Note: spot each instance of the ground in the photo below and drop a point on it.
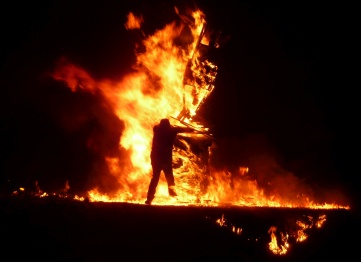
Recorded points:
(67, 230)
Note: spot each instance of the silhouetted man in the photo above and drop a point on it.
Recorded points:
(161, 156)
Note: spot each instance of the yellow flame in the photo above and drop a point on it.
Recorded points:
(320, 221)
(273, 245)
(44, 194)
(221, 221)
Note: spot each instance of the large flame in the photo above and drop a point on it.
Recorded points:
(171, 78)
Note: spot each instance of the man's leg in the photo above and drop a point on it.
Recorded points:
(168, 172)
(153, 183)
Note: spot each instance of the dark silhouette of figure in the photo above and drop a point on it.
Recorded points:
(164, 135)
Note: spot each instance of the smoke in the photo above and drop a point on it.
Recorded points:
(57, 136)
(269, 169)
(92, 131)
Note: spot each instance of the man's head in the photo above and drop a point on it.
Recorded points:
(164, 123)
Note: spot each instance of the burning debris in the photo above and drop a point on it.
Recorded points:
(37, 192)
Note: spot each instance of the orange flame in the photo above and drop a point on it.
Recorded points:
(169, 81)
(133, 22)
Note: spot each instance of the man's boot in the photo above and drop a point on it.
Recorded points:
(172, 192)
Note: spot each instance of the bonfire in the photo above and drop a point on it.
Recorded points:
(173, 77)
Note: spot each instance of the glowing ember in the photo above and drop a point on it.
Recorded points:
(44, 194)
(171, 80)
(236, 230)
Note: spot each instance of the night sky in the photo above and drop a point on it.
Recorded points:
(283, 88)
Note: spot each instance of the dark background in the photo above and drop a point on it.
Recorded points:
(284, 87)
